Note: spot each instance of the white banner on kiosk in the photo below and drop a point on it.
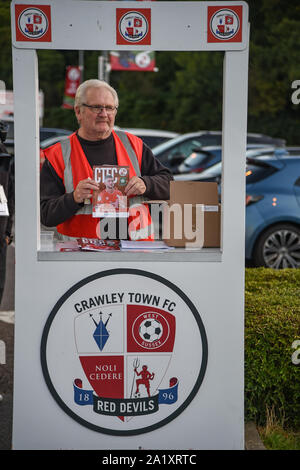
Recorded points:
(128, 350)
(112, 25)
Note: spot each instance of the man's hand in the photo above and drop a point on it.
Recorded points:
(8, 239)
(83, 190)
(135, 187)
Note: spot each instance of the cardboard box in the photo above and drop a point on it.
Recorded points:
(191, 218)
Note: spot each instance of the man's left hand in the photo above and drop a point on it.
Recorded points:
(8, 239)
(135, 187)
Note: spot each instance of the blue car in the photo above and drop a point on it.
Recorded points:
(272, 209)
(273, 212)
(173, 152)
(199, 160)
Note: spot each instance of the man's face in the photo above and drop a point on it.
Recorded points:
(95, 126)
(109, 183)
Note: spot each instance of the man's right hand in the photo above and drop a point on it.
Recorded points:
(83, 190)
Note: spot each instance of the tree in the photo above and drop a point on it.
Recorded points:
(186, 94)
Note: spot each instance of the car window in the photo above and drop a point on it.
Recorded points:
(10, 130)
(256, 173)
(213, 171)
(45, 135)
(210, 139)
(254, 140)
(184, 148)
(197, 159)
(159, 149)
(265, 140)
(152, 141)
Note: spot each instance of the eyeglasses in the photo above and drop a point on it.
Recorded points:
(98, 109)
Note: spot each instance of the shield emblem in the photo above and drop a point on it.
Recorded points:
(125, 351)
(114, 352)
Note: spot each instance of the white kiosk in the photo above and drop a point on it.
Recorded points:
(129, 350)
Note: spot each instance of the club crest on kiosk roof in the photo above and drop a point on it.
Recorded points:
(224, 24)
(133, 26)
(114, 352)
(33, 23)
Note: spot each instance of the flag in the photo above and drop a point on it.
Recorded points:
(140, 61)
(72, 81)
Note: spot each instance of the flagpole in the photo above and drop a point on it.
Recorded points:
(104, 67)
(81, 64)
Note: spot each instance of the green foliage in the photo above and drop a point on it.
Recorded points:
(197, 90)
(276, 436)
(149, 109)
(5, 45)
(279, 439)
(272, 324)
(186, 93)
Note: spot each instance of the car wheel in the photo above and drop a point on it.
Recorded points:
(278, 247)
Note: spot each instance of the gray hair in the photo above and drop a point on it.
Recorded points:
(94, 83)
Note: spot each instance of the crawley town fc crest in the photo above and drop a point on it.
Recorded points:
(124, 352)
(33, 22)
(133, 26)
(224, 24)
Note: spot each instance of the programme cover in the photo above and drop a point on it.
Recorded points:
(95, 244)
(109, 200)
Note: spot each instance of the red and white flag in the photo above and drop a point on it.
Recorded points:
(72, 82)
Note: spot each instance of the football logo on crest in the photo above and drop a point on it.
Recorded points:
(121, 370)
(150, 330)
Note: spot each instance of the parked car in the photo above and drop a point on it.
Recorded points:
(198, 160)
(45, 133)
(293, 150)
(213, 169)
(174, 151)
(272, 209)
(273, 212)
(208, 156)
(52, 140)
(151, 137)
(47, 143)
(9, 142)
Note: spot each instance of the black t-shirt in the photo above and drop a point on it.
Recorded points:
(58, 206)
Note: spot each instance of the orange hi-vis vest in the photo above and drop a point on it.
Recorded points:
(71, 165)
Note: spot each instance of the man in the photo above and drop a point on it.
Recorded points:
(110, 195)
(6, 222)
(67, 177)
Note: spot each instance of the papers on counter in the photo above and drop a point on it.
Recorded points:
(85, 244)
(3, 202)
(140, 245)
